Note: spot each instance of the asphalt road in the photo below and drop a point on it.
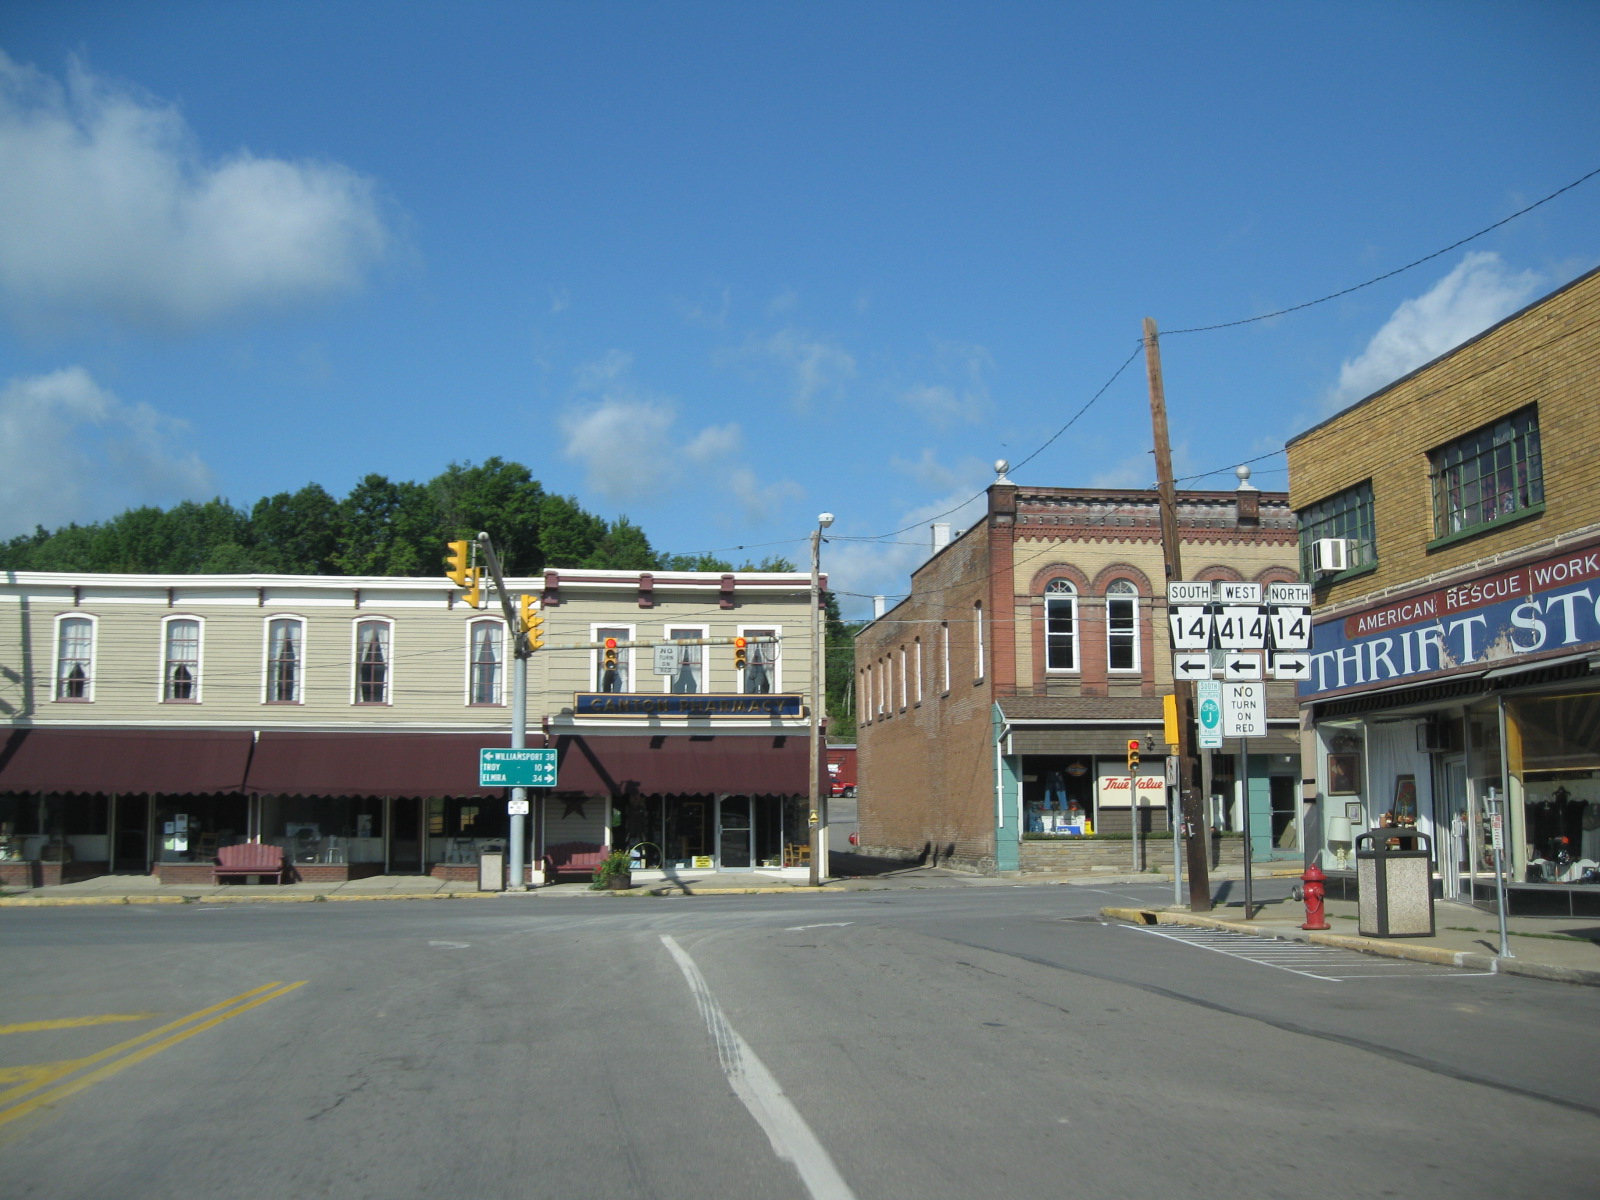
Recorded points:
(930, 1043)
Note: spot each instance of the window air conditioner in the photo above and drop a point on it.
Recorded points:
(1329, 555)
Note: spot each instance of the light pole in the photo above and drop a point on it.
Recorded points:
(819, 802)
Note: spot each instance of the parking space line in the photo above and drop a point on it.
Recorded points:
(1299, 958)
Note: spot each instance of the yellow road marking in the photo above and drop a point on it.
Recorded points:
(174, 1032)
(75, 1022)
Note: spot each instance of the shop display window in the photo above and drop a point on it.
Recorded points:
(1559, 768)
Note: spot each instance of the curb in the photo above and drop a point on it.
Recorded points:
(1465, 959)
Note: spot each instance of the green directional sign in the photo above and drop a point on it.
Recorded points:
(1208, 707)
(516, 768)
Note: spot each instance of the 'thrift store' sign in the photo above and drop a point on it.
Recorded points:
(1538, 608)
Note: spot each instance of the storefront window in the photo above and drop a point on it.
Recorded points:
(1557, 761)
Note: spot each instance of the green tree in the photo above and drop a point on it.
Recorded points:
(388, 528)
(623, 548)
(296, 533)
(839, 645)
(568, 536)
(498, 496)
(692, 562)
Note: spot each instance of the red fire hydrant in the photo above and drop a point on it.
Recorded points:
(1313, 887)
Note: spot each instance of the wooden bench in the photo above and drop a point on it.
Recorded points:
(572, 858)
(249, 858)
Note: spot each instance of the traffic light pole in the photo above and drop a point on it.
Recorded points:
(1196, 837)
(519, 718)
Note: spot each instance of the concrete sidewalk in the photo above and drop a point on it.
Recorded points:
(1554, 948)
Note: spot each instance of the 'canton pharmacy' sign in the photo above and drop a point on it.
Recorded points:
(1543, 607)
(687, 704)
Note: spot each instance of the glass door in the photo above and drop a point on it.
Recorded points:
(733, 830)
(1453, 827)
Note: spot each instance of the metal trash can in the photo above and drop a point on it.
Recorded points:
(492, 871)
(1394, 885)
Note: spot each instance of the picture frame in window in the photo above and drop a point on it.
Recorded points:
(1344, 774)
(1352, 811)
(1404, 810)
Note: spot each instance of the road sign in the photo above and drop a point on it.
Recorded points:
(1231, 592)
(666, 659)
(1208, 707)
(1241, 665)
(517, 808)
(1189, 591)
(516, 768)
(1244, 710)
(1241, 628)
(1289, 593)
(1289, 665)
(1193, 665)
(1191, 627)
(1291, 628)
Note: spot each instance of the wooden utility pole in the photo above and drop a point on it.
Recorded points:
(1195, 834)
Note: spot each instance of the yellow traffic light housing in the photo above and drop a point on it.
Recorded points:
(1133, 754)
(458, 562)
(741, 656)
(473, 584)
(610, 656)
(532, 620)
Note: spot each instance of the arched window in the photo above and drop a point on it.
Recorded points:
(75, 659)
(285, 660)
(486, 649)
(180, 665)
(1060, 626)
(372, 662)
(1122, 626)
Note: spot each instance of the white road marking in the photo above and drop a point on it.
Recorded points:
(823, 925)
(450, 945)
(1295, 957)
(791, 1138)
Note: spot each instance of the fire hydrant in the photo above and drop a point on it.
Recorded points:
(1313, 889)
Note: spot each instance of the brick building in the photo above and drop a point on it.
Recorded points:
(1452, 524)
(146, 720)
(997, 698)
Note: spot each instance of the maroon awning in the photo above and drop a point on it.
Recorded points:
(124, 761)
(371, 764)
(682, 763)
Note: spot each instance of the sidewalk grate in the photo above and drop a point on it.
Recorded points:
(1332, 963)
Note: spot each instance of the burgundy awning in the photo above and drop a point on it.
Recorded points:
(124, 761)
(371, 764)
(682, 763)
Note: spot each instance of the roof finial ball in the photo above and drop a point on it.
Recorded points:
(1243, 472)
(1001, 466)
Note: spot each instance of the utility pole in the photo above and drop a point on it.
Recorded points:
(519, 715)
(1196, 836)
(819, 802)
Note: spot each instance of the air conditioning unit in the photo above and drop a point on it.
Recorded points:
(1330, 555)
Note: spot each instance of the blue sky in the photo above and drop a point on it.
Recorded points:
(721, 267)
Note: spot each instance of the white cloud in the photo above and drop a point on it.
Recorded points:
(1479, 292)
(962, 394)
(108, 209)
(715, 443)
(71, 451)
(811, 366)
(622, 444)
(761, 499)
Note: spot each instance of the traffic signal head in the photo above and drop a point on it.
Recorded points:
(456, 562)
(472, 583)
(1133, 754)
(740, 654)
(532, 620)
(611, 654)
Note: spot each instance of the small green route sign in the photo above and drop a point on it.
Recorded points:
(1208, 705)
(516, 768)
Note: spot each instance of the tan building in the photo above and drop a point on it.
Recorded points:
(995, 702)
(1452, 524)
(148, 720)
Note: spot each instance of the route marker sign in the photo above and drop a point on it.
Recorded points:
(1242, 665)
(1208, 707)
(516, 768)
(1290, 665)
(1191, 627)
(1233, 592)
(1189, 591)
(1192, 665)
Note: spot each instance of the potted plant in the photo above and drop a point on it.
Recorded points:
(615, 872)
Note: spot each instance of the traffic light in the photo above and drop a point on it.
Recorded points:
(473, 585)
(460, 556)
(741, 658)
(1133, 754)
(610, 658)
(532, 620)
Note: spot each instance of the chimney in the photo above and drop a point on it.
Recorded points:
(877, 607)
(941, 535)
(1247, 498)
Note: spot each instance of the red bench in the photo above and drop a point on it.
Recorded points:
(249, 858)
(572, 858)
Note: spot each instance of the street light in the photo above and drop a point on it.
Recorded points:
(819, 803)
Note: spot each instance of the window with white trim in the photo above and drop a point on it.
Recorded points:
(944, 656)
(285, 660)
(1060, 626)
(1122, 626)
(760, 676)
(75, 658)
(918, 664)
(977, 635)
(486, 641)
(620, 677)
(180, 660)
(903, 684)
(373, 661)
(690, 676)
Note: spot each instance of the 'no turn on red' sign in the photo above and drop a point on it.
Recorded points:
(1244, 710)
